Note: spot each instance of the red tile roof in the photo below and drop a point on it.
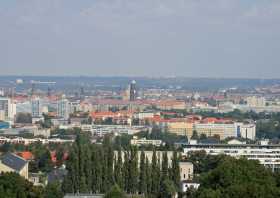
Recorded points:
(26, 155)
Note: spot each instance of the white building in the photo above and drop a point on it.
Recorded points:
(144, 141)
(101, 130)
(63, 108)
(247, 131)
(186, 185)
(226, 130)
(267, 155)
(7, 109)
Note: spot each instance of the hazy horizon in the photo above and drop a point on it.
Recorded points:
(149, 38)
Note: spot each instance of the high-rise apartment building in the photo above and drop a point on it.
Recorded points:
(63, 108)
(7, 108)
(36, 107)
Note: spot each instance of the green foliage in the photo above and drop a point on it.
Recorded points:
(175, 171)
(47, 123)
(53, 190)
(195, 135)
(143, 174)
(14, 186)
(155, 174)
(122, 141)
(203, 162)
(234, 178)
(115, 192)
(118, 171)
(168, 189)
(164, 167)
(269, 128)
(45, 163)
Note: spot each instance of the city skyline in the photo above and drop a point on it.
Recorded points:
(148, 38)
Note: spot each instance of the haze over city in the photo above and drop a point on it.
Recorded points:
(217, 38)
(139, 99)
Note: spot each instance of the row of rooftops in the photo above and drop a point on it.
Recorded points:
(159, 117)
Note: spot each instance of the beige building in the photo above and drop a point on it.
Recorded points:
(181, 128)
(221, 130)
(255, 101)
(13, 163)
(186, 171)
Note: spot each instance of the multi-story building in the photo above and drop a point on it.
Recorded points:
(225, 130)
(186, 171)
(214, 129)
(101, 130)
(36, 107)
(255, 101)
(13, 163)
(63, 108)
(144, 141)
(181, 128)
(7, 108)
(267, 155)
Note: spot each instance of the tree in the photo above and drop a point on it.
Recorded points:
(108, 162)
(13, 185)
(195, 135)
(23, 118)
(168, 190)
(155, 174)
(115, 192)
(126, 171)
(175, 177)
(133, 170)
(97, 163)
(45, 162)
(164, 166)
(238, 178)
(148, 176)
(53, 190)
(118, 170)
(70, 182)
(142, 175)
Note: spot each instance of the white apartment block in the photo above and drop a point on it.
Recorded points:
(7, 109)
(226, 130)
(63, 108)
(144, 141)
(267, 155)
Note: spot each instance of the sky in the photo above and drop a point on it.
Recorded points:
(192, 38)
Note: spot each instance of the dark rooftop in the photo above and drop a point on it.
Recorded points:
(13, 161)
